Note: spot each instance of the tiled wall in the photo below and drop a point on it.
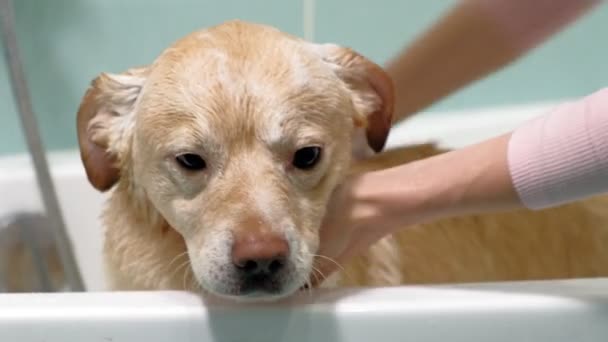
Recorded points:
(67, 42)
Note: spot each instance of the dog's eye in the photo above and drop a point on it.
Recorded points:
(191, 161)
(306, 158)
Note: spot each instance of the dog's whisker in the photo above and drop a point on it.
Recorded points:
(127, 268)
(197, 285)
(136, 261)
(182, 266)
(342, 268)
(185, 276)
(317, 272)
(330, 260)
(177, 257)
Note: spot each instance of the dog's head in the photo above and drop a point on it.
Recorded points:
(237, 135)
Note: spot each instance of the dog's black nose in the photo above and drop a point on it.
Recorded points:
(260, 275)
(261, 267)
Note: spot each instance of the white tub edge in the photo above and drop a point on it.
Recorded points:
(557, 311)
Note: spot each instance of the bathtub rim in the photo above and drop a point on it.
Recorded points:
(535, 310)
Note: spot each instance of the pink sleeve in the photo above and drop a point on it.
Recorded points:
(562, 156)
(527, 23)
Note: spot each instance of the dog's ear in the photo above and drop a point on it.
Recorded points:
(105, 122)
(372, 89)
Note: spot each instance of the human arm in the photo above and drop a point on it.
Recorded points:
(556, 158)
(474, 39)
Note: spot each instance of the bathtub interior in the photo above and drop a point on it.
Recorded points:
(531, 311)
(81, 204)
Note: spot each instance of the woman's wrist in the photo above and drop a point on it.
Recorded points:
(476, 179)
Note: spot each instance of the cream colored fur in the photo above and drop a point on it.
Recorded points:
(246, 96)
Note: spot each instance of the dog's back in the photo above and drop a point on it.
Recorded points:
(565, 242)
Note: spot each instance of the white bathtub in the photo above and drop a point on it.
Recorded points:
(547, 311)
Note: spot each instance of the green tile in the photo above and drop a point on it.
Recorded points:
(377, 29)
(66, 43)
(571, 64)
(11, 135)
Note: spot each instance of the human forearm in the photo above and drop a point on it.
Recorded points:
(462, 46)
(469, 180)
(558, 157)
(474, 39)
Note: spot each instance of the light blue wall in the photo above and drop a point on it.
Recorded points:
(67, 42)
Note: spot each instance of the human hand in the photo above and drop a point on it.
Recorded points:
(342, 232)
(362, 211)
(369, 206)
